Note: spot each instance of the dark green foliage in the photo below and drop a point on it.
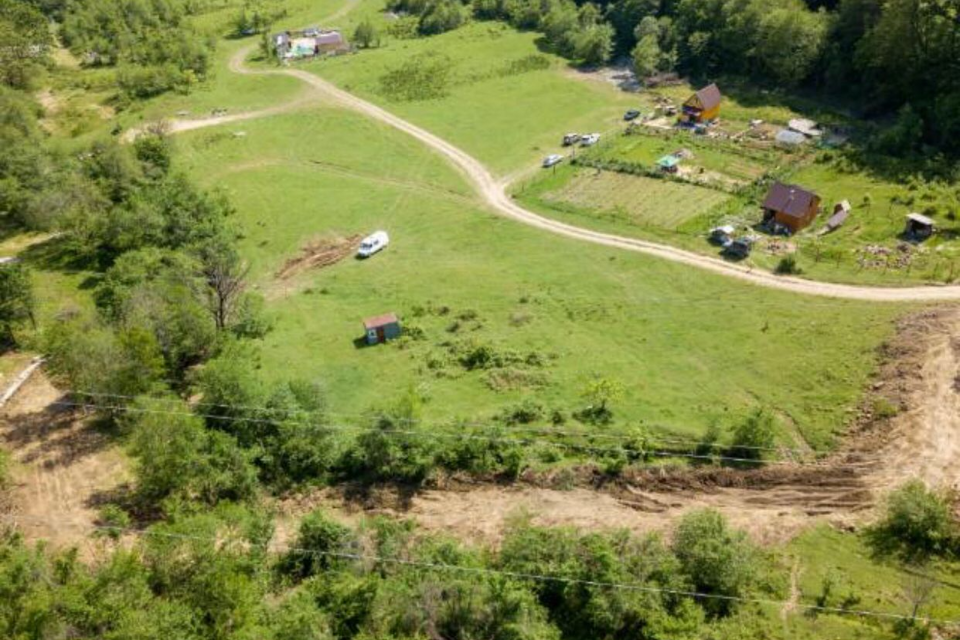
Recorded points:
(754, 437)
(177, 458)
(716, 559)
(322, 545)
(916, 524)
(587, 611)
(150, 41)
(366, 34)
(92, 358)
(441, 15)
(788, 266)
(282, 424)
(25, 40)
(16, 300)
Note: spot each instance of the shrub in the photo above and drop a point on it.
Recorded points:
(366, 34)
(526, 412)
(320, 545)
(788, 266)
(753, 437)
(716, 559)
(916, 524)
(882, 408)
(114, 520)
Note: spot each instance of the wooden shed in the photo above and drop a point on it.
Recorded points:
(919, 227)
(790, 206)
(382, 328)
(703, 106)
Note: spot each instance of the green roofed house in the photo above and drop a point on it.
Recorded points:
(670, 163)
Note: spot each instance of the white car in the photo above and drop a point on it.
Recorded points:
(551, 160)
(373, 243)
(590, 140)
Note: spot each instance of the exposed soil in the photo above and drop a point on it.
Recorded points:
(66, 467)
(318, 254)
(62, 467)
(772, 503)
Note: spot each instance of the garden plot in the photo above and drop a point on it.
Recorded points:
(636, 199)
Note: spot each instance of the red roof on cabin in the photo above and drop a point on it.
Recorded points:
(380, 321)
(789, 199)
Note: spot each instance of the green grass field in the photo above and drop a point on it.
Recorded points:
(689, 347)
(508, 122)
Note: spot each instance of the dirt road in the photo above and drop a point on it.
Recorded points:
(493, 192)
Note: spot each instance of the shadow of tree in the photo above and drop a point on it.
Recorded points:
(55, 437)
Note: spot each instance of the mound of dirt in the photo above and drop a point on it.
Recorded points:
(318, 254)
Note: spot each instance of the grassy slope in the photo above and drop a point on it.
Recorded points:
(506, 122)
(873, 585)
(690, 347)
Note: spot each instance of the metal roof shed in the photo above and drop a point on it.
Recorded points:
(381, 328)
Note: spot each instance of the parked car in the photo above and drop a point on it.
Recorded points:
(632, 114)
(552, 160)
(571, 138)
(373, 243)
(590, 139)
(738, 249)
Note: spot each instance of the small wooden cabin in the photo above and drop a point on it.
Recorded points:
(381, 328)
(703, 106)
(790, 206)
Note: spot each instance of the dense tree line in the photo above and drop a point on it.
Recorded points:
(210, 576)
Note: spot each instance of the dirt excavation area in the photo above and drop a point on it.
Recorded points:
(909, 428)
(919, 382)
(62, 467)
(318, 254)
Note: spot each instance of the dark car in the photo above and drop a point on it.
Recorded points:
(633, 114)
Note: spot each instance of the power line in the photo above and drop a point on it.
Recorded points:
(408, 421)
(343, 555)
(419, 434)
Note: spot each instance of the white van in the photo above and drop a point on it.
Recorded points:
(376, 241)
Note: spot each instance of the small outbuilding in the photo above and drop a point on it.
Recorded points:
(703, 106)
(841, 211)
(669, 164)
(919, 227)
(381, 328)
(790, 206)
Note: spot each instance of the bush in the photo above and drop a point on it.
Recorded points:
(788, 266)
(320, 545)
(716, 559)
(114, 521)
(442, 15)
(916, 524)
(754, 437)
(366, 34)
